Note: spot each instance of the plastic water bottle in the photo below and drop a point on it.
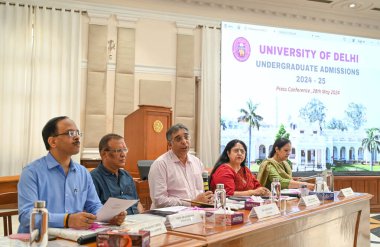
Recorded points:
(328, 178)
(319, 184)
(39, 233)
(304, 191)
(275, 190)
(220, 197)
(320, 188)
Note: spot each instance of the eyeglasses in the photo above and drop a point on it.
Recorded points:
(238, 150)
(186, 137)
(71, 133)
(117, 151)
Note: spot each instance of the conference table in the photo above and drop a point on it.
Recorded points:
(338, 222)
(342, 222)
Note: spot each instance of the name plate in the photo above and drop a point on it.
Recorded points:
(156, 227)
(265, 211)
(184, 219)
(346, 192)
(311, 200)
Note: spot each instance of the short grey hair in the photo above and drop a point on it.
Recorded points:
(174, 129)
(103, 144)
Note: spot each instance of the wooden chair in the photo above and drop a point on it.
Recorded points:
(8, 208)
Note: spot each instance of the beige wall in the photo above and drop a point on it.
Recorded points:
(155, 65)
(156, 43)
(156, 25)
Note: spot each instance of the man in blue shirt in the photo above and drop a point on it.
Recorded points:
(110, 179)
(64, 185)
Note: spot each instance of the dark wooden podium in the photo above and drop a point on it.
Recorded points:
(144, 133)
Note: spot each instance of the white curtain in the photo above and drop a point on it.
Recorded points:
(56, 84)
(15, 61)
(40, 79)
(209, 121)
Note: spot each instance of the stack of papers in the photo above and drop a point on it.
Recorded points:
(153, 223)
(234, 205)
(72, 234)
(166, 211)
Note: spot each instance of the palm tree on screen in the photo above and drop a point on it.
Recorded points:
(249, 116)
(372, 143)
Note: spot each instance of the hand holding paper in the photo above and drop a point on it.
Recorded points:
(113, 207)
(118, 219)
(81, 220)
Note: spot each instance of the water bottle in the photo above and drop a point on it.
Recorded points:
(320, 188)
(275, 190)
(39, 233)
(319, 184)
(330, 175)
(220, 197)
(328, 178)
(304, 191)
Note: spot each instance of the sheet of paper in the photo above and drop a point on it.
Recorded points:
(113, 207)
(290, 191)
(62, 243)
(6, 241)
(234, 206)
(138, 218)
(171, 209)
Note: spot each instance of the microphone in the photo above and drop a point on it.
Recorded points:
(205, 181)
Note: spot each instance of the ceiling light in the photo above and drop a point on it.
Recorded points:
(352, 5)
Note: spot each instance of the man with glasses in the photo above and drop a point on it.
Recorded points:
(175, 178)
(110, 178)
(64, 185)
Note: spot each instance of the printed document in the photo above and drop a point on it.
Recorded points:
(113, 207)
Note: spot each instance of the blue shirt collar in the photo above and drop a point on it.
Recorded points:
(52, 163)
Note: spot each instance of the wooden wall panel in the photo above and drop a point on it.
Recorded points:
(366, 184)
(373, 189)
(359, 185)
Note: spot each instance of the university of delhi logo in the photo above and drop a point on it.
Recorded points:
(241, 49)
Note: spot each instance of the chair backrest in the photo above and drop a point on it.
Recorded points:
(8, 203)
(144, 167)
(8, 200)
